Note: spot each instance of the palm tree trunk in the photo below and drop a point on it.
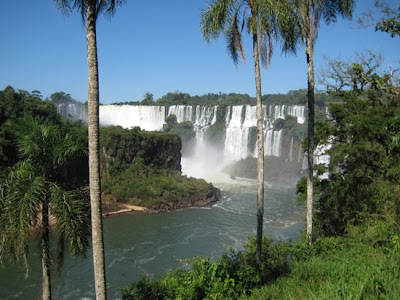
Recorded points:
(260, 159)
(94, 165)
(310, 146)
(46, 278)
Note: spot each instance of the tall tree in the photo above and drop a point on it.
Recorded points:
(310, 13)
(365, 154)
(263, 20)
(35, 189)
(90, 11)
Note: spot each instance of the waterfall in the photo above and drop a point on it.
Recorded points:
(75, 111)
(328, 114)
(149, 118)
(205, 116)
(278, 112)
(183, 113)
(236, 138)
(291, 149)
(250, 119)
(322, 158)
(305, 162)
(277, 143)
(272, 142)
(239, 120)
(297, 111)
(268, 142)
(202, 117)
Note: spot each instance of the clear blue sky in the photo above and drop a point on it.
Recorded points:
(157, 47)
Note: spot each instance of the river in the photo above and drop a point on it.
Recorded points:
(153, 243)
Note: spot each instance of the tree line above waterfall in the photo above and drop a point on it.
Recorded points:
(294, 97)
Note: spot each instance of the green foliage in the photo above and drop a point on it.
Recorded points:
(298, 97)
(236, 99)
(295, 97)
(390, 22)
(16, 105)
(365, 157)
(150, 187)
(364, 264)
(40, 180)
(232, 276)
(173, 99)
(265, 20)
(61, 98)
(121, 147)
(148, 99)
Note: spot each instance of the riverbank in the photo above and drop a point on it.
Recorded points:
(122, 208)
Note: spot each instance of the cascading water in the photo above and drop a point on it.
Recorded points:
(75, 111)
(149, 118)
(297, 111)
(183, 113)
(236, 135)
(291, 149)
(272, 142)
(277, 143)
(279, 111)
(240, 122)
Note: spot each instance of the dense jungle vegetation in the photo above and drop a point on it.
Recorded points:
(138, 167)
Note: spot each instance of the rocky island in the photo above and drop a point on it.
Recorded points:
(141, 172)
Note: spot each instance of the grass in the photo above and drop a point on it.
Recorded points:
(348, 271)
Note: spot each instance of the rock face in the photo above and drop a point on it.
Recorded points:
(155, 149)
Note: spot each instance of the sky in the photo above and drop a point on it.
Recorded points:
(157, 47)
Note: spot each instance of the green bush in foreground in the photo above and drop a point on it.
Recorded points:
(363, 264)
(234, 275)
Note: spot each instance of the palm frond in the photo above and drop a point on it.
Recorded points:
(71, 209)
(44, 146)
(108, 7)
(214, 18)
(266, 31)
(64, 6)
(266, 48)
(328, 11)
(65, 149)
(289, 25)
(234, 40)
(23, 193)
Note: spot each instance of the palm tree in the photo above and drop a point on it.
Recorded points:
(34, 190)
(90, 10)
(310, 13)
(263, 19)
